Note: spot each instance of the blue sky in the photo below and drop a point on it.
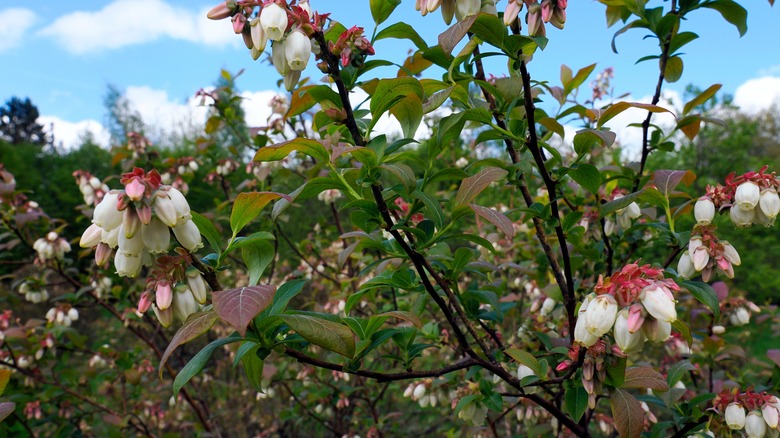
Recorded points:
(63, 54)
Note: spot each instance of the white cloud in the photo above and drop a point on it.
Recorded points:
(758, 94)
(257, 107)
(70, 134)
(129, 22)
(14, 23)
(159, 111)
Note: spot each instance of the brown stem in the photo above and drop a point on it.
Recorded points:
(302, 257)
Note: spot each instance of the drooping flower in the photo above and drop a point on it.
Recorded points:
(659, 303)
(704, 210)
(273, 19)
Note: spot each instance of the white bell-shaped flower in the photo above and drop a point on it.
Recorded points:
(273, 19)
(600, 315)
(655, 330)
(769, 203)
(106, 216)
(747, 195)
(735, 416)
(742, 218)
(755, 426)
(627, 341)
(658, 303)
(297, 49)
(685, 266)
(704, 211)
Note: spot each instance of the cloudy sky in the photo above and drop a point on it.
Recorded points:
(64, 54)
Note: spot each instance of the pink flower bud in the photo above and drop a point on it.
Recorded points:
(219, 12)
(91, 236)
(273, 18)
(163, 294)
(636, 317)
(238, 20)
(704, 210)
(144, 213)
(513, 9)
(700, 258)
(144, 302)
(547, 9)
(135, 190)
(102, 254)
(627, 340)
(658, 303)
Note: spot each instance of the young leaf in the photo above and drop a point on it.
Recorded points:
(666, 180)
(6, 409)
(248, 205)
(196, 325)
(326, 334)
(496, 218)
(475, 184)
(279, 151)
(627, 413)
(645, 377)
(238, 306)
(403, 97)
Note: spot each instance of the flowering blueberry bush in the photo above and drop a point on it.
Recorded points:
(492, 278)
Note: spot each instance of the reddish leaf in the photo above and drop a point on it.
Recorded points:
(627, 413)
(645, 377)
(774, 355)
(5, 376)
(238, 306)
(666, 180)
(6, 408)
(473, 185)
(496, 218)
(196, 325)
(452, 36)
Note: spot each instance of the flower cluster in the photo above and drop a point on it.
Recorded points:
(91, 187)
(33, 295)
(706, 253)
(598, 357)
(173, 291)
(62, 315)
(637, 301)
(423, 393)
(51, 247)
(751, 198)
(623, 217)
(137, 221)
(754, 412)
(738, 310)
(539, 13)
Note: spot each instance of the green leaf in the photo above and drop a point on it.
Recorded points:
(196, 364)
(248, 205)
(586, 139)
(731, 12)
(703, 97)
(280, 151)
(525, 358)
(576, 402)
(402, 31)
(618, 204)
(684, 331)
(196, 325)
(404, 173)
(674, 69)
(616, 373)
(253, 367)
(627, 413)
(283, 296)
(207, 229)
(475, 184)
(677, 371)
(618, 107)
(240, 242)
(283, 204)
(381, 9)
(586, 175)
(326, 334)
(403, 98)
(238, 306)
(705, 294)
(257, 256)
(433, 209)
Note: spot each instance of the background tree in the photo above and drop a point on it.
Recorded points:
(19, 122)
